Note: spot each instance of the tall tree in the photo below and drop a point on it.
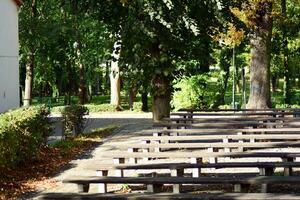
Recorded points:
(259, 20)
(115, 82)
(31, 55)
(287, 85)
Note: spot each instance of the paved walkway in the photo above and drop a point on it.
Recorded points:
(130, 125)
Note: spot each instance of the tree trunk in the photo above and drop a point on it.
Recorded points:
(29, 80)
(287, 83)
(145, 101)
(260, 58)
(274, 82)
(132, 96)
(30, 61)
(82, 93)
(115, 83)
(161, 98)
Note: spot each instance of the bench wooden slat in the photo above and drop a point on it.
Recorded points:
(202, 145)
(234, 119)
(220, 137)
(229, 130)
(163, 196)
(184, 180)
(224, 124)
(100, 166)
(239, 110)
(235, 114)
(196, 154)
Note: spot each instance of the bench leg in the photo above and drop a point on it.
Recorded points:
(177, 173)
(267, 171)
(288, 171)
(212, 159)
(156, 142)
(146, 150)
(154, 188)
(241, 188)
(196, 171)
(132, 160)
(83, 188)
(119, 172)
(226, 149)
(102, 187)
(240, 149)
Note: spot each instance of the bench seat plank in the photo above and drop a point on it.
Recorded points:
(184, 180)
(239, 110)
(266, 113)
(162, 196)
(101, 166)
(226, 124)
(234, 119)
(224, 130)
(220, 137)
(203, 145)
(198, 154)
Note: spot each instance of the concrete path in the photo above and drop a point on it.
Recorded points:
(130, 125)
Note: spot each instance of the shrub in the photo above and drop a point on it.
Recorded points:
(137, 106)
(106, 107)
(23, 132)
(191, 92)
(73, 119)
(287, 106)
(225, 107)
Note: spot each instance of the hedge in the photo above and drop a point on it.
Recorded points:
(73, 119)
(23, 132)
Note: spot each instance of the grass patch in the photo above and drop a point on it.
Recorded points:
(52, 159)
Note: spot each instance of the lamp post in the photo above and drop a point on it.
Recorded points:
(233, 79)
(244, 88)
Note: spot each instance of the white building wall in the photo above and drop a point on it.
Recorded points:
(9, 51)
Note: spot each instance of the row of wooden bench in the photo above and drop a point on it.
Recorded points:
(196, 139)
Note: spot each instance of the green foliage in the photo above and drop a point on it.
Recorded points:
(225, 107)
(22, 133)
(191, 92)
(73, 119)
(287, 106)
(106, 107)
(137, 106)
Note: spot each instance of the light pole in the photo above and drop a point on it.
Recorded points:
(233, 79)
(244, 88)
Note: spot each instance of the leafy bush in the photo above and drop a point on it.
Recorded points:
(225, 107)
(73, 119)
(137, 106)
(286, 106)
(106, 107)
(191, 92)
(22, 133)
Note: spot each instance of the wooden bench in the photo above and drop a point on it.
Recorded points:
(263, 113)
(162, 196)
(232, 119)
(178, 169)
(241, 110)
(154, 183)
(208, 146)
(197, 157)
(237, 124)
(224, 130)
(196, 135)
